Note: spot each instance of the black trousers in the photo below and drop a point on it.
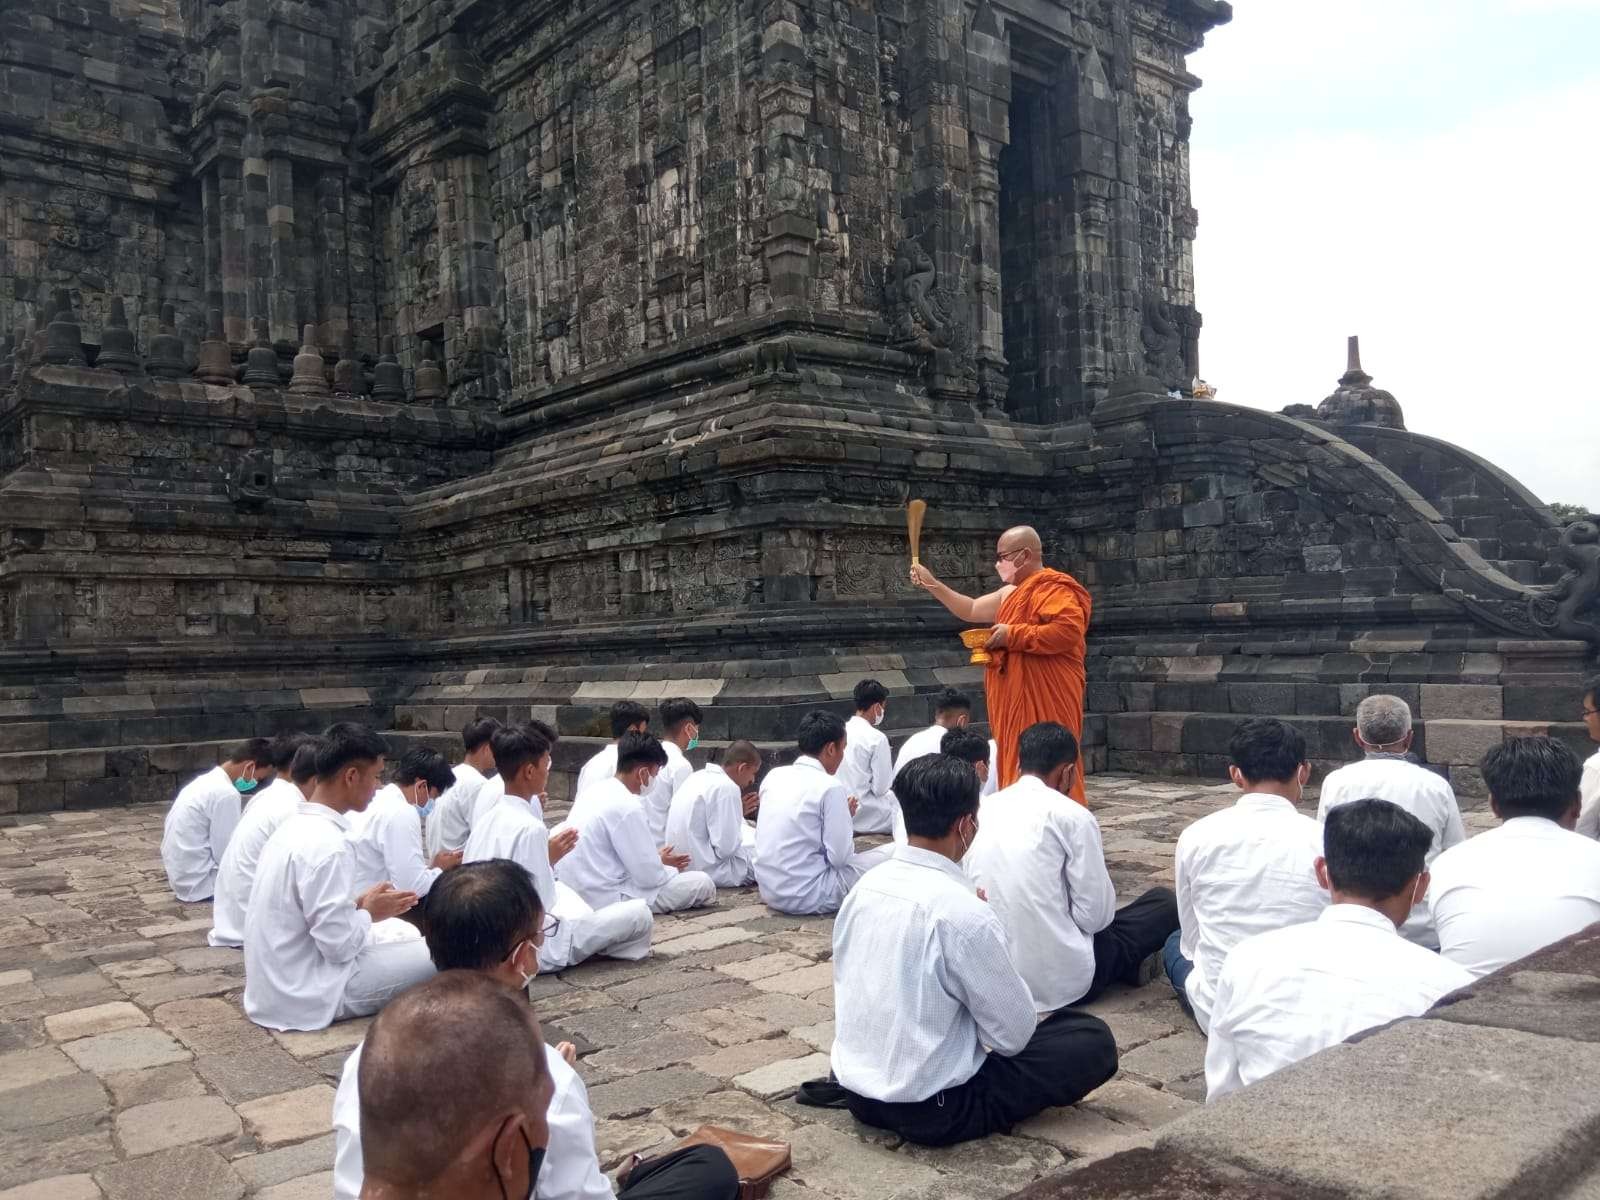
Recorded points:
(1140, 930)
(693, 1173)
(1069, 1056)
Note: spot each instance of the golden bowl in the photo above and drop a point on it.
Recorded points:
(974, 639)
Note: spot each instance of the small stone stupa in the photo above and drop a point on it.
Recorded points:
(1357, 402)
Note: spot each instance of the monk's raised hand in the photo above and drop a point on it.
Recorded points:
(561, 844)
(998, 637)
(922, 577)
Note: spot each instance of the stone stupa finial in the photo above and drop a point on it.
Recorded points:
(1356, 401)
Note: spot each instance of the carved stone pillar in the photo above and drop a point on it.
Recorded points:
(988, 98)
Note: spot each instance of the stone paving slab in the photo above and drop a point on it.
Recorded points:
(127, 1068)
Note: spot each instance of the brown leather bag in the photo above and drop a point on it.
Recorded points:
(757, 1160)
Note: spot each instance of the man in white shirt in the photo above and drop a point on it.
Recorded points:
(627, 716)
(388, 836)
(484, 923)
(294, 763)
(514, 829)
(1246, 869)
(1288, 993)
(1513, 890)
(494, 787)
(707, 817)
(805, 842)
(201, 820)
(867, 771)
(312, 954)
(616, 858)
(1383, 731)
(972, 749)
(1589, 787)
(1039, 860)
(680, 720)
(451, 819)
(952, 709)
(923, 982)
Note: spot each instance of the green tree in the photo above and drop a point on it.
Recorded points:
(1566, 514)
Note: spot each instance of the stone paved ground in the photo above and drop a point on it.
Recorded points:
(127, 1069)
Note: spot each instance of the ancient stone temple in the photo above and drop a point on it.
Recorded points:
(399, 362)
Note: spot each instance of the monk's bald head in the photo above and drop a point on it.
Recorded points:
(1020, 537)
(441, 1063)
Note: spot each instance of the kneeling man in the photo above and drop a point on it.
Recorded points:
(922, 983)
(1286, 994)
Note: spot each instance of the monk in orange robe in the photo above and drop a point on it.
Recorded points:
(1037, 646)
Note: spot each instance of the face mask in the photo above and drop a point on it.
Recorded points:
(878, 720)
(695, 740)
(966, 842)
(527, 978)
(426, 809)
(1006, 569)
(245, 786)
(535, 1162)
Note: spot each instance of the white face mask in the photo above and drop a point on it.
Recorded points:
(878, 719)
(527, 977)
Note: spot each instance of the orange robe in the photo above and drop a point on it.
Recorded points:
(1039, 675)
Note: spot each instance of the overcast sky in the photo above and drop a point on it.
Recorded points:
(1426, 174)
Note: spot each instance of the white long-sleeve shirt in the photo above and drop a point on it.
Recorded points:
(196, 831)
(1285, 994)
(388, 845)
(1419, 792)
(236, 875)
(616, 857)
(922, 981)
(302, 930)
(803, 836)
(657, 799)
(602, 765)
(1039, 858)
(867, 773)
(923, 742)
(1589, 791)
(706, 822)
(514, 828)
(1513, 890)
(1240, 872)
(571, 1168)
(453, 812)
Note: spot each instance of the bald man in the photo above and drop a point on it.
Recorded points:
(1040, 617)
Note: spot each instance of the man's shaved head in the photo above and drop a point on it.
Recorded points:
(442, 1063)
(1019, 537)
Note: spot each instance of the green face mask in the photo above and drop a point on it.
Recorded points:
(694, 741)
(245, 786)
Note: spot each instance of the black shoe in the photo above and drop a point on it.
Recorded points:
(821, 1093)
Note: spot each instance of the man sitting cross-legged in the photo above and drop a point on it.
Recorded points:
(314, 952)
(197, 827)
(952, 710)
(627, 716)
(294, 759)
(707, 817)
(451, 819)
(868, 768)
(1039, 859)
(1531, 881)
(616, 858)
(680, 725)
(923, 983)
(388, 836)
(403, 1120)
(1285, 994)
(1248, 868)
(1383, 731)
(805, 840)
(514, 829)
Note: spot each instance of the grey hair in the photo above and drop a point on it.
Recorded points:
(1383, 720)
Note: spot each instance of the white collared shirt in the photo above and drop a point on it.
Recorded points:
(514, 828)
(657, 800)
(706, 822)
(922, 981)
(388, 845)
(1240, 872)
(236, 875)
(196, 831)
(453, 812)
(923, 742)
(803, 836)
(602, 765)
(302, 930)
(1039, 858)
(1589, 791)
(615, 858)
(1513, 890)
(571, 1168)
(868, 774)
(1419, 792)
(1285, 994)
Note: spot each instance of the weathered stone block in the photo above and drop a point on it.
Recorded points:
(1475, 702)
(1462, 741)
